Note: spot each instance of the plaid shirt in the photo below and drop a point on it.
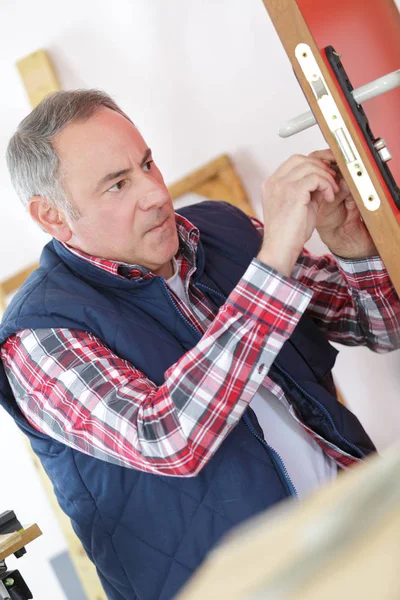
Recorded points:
(115, 413)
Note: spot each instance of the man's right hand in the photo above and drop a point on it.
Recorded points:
(291, 198)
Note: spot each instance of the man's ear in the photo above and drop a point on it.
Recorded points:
(50, 219)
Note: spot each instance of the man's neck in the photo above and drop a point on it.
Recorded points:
(166, 270)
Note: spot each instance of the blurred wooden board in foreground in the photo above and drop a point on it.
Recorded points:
(342, 542)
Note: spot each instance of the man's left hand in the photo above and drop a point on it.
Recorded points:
(340, 226)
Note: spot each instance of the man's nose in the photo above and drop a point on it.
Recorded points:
(153, 194)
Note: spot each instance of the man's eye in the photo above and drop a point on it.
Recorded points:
(147, 166)
(117, 187)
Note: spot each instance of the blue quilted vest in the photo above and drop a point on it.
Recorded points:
(147, 533)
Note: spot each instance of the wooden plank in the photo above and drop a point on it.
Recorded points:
(3, 300)
(217, 180)
(190, 182)
(382, 223)
(341, 542)
(38, 76)
(13, 283)
(12, 542)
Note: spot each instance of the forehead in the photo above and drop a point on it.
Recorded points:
(104, 143)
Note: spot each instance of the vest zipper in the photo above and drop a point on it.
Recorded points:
(276, 458)
(182, 316)
(215, 292)
(324, 410)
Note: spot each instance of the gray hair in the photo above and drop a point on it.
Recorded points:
(31, 157)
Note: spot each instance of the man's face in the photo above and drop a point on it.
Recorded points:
(126, 211)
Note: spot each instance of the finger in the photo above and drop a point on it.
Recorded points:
(333, 166)
(343, 186)
(343, 192)
(350, 204)
(295, 161)
(326, 154)
(289, 164)
(318, 183)
(309, 168)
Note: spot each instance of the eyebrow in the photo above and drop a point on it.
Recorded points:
(111, 176)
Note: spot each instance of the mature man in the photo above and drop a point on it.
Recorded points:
(132, 354)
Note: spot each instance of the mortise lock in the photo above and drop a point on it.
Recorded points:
(382, 149)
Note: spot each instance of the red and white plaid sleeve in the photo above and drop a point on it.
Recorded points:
(73, 388)
(354, 301)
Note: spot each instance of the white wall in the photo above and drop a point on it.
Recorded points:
(199, 77)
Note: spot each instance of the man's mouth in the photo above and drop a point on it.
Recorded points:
(159, 225)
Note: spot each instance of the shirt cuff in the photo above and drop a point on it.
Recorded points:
(269, 297)
(363, 273)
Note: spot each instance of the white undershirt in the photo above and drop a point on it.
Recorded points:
(306, 463)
